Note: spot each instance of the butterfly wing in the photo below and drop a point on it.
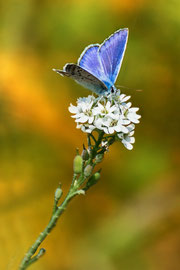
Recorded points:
(104, 61)
(83, 77)
(99, 65)
(90, 61)
(111, 53)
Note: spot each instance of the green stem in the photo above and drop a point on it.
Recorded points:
(89, 140)
(74, 190)
(35, 258)
(28, 259)
(96, 146)
(91, 135)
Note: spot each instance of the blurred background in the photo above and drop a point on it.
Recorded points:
(130, 220)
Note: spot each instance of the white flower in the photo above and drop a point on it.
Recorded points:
(104, 144)
(86, 127)
(109, 125)
(132, 116)
(83, 111)
(130, 113)
(127, 139)
(110, 114)
(106, 110)
(123, 98)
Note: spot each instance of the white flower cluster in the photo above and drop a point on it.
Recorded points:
(110, 114)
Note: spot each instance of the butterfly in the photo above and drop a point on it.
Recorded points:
(99, 64)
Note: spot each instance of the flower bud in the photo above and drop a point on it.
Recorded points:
(88, 170)
(96, 176)
(92, 180)
(78, 164)
(99, 158)
(58, 193)
(85, 154)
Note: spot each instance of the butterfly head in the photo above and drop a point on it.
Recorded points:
(113, 89)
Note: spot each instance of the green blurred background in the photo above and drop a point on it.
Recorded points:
(130, 219)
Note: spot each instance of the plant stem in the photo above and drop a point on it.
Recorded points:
(95, 148)
(74, 190)
(28, 259)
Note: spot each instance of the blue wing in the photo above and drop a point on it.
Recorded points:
(99, 65)
(90, 61)
(111, 53)
(104, 61)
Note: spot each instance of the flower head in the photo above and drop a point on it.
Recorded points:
(110, 114)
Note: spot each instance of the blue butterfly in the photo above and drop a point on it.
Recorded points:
(99, 64)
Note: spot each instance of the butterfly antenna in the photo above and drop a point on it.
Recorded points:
(125, 87)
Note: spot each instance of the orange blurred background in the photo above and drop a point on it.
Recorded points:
(130, 219)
